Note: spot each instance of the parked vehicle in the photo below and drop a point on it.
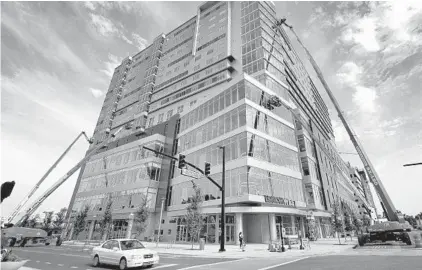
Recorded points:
(126, 253)
(22, 236)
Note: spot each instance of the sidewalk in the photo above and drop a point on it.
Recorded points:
(318, 248)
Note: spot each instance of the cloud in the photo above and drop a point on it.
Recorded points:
(89, 5)
(36, 33)
(141, 43)
(349, 73)
(96, 93)
(111, 65)
(103, 25)
(365, 99)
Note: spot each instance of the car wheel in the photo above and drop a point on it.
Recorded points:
(123, 264)
(150, 266)
(96, 261)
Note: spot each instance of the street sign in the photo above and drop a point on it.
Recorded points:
(191, 173)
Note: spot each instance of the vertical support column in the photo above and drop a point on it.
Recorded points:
(273, 229)
(129, 226)
(91, 229)
(217, 229)
(71, 233)
(294, 229)
(239, 226)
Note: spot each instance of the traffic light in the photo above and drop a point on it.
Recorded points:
(6, 189)
(182, 162)
(207, 168)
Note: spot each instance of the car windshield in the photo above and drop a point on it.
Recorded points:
(131, 244)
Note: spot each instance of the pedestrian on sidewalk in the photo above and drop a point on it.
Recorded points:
(241, 240)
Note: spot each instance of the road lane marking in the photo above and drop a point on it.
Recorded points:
(164, 266)
(74, 267)
(212, 264)
(37, 261)
(281, 264)
(47, 262)
(49, 253)
(60, 264)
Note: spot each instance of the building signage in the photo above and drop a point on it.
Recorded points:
(278, 200)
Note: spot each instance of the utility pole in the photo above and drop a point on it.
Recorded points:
(223, 199)
(161, 218)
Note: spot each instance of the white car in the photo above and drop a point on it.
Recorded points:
(125, 253)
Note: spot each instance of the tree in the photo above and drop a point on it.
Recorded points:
(357, 223)
(140, 220)
(194, 218)
(48, 219)
(32, 222)
(366, 220)
(80, 220)
(336, 220)
(348, 224)
(107, 220)
(60, 218)
(411, 220)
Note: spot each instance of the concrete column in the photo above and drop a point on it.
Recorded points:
(294, 229)
(91, 229)
(130, 225)
(273, 229)
(239, 226)
(217, 229)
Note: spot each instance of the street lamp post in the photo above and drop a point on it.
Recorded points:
(161, 218)
(223, 195)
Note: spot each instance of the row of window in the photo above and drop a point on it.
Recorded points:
(276, 87)
(177, 46)
(184, 28)
(120, 200)
(213, 129)
(213, 106)
(144, 172)
(235, 147)
(241, 181)
(172, 79)
(217, 78)
(122, 158)
(271, 152)
(179, 59)
(211, 42)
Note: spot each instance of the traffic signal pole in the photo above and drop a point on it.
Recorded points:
(182, 160)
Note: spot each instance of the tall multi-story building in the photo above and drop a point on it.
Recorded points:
(226, 77)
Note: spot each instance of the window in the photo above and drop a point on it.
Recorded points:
(169, 114)
(196, 68)
(151, 122)
(196, 76)
(176, 69)
(210, 51)
(160, 118)
(192, 103)
(168, 73)
(209, 71)
(169, 232)
(186, 64)
(198, 58)
(180, 109)
(209, 61)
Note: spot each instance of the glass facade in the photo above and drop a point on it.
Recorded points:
(241, 181)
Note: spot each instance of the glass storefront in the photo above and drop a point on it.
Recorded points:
(119, 229)
(209, 230)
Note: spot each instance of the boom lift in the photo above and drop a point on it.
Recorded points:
(34, 206)
(394, 230)
(386, 202)
(35, 188)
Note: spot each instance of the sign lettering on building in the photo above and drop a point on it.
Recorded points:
(278, 200)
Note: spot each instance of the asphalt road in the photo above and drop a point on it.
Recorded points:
(53, 258)
(356, 262)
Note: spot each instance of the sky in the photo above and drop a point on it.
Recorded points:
(57, 59)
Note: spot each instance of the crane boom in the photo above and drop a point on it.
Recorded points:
(386, 202)
(35, 188)
(46, 194)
